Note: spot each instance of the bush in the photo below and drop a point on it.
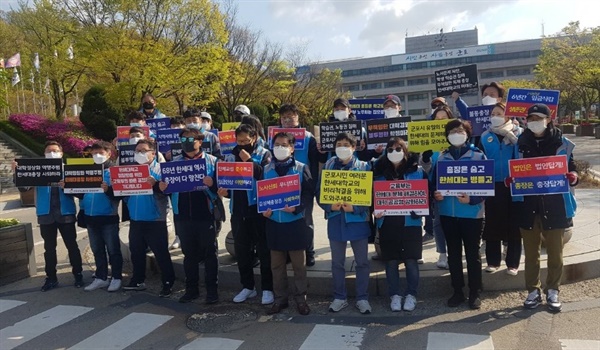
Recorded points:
(8, 222)
(98, 116)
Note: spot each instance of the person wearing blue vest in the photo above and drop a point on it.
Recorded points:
(545, 215)
(309, 155)
(56, 213)
(247, 225)
(102, 219)
(196, 119)
(400, 237)
(286, 228)
(499, 143)
(462, 218)
(149, 107)
(346, 222)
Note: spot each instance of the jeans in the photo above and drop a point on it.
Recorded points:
(105, 238)
(198, 241)
(310, 228)
(438, 231)
(248, 233)
(493, 253)
(69, 236)
(338, 258)
(153, 234)
(392, 276)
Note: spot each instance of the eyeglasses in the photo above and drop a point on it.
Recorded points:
(397, 149)
(188, 139)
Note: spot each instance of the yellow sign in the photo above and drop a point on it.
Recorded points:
(427, 135)
(346, 186)
(80, 161)
(229, 126)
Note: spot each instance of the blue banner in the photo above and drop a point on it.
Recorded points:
(278, 192)
(156, 124)
(166, 137)
(518, 101)
(536, 185)
(127, 155)
(480, 118)
(184, 175)
(472, 177)
(367, 108)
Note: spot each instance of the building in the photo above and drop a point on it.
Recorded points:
(411, 75)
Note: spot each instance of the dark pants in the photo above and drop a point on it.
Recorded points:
(103, 238)
(69, 236)
(198, 240)
(428, 227)
(493, 253)
(247, 233)
(467, 232)
(310, 228)
(154, 235)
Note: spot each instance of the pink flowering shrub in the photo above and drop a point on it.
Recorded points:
(70, 134)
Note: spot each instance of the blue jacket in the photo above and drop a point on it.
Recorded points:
(149, 207)
(211, 165)
(258, 157)
(42, 201)
(462, 106)
(281, 216)
(500, 152)
(100, 204)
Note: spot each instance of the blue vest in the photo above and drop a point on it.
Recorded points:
(99, 204)
(500, 152)
(148, 207)
(270, 173)
(257, 157)
(408, 221)
(42, 201)
(211, 162)
(301, 155)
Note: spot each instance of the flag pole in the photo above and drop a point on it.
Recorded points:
(41, 95)
(32, 81)
(7, 104)
(23, 93)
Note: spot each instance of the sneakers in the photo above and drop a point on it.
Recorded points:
(78, 280)
(115, 285)
(189, 296)
(337, 305)
(97, 284)
(310, 261)
(491, 269)
(410, 302)
(135, 286)
(267, 297)
(552, 300)
(456, 299)
(166, 290)
(49, 284)
(512, 271)
(363, 306)
(396, 304)
(442, 262)
(176, 243)
(245, 294)
(534, 299)
(474, 302)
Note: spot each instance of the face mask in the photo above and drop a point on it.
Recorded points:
(193, 126)
(134, 140)
(343, 153)
(248, 148)
(281, 153)
(188, 147)
(205, 126)
(340, 115)
(390, 112)
(537, 127)
(53, 155)
(99, 158)
(148, 105)
(489, 100)
(140, 158)
(396, 157)
(497, 121)
(457, 139)
(135, 124)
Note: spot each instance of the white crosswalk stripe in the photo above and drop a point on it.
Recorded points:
(213, 344)
(6, 305)
(124, 332)
(21, 332)
(451, 341)
(334, 337)
(578, 344)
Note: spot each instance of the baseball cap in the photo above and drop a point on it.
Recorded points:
(539, 109)
(392, 98)
(341, 101)
(438, 101)
(242, 109)
(205, 115)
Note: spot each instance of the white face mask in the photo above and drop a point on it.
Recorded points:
(53, 155)
(193, 126)
(396, 157)
(340, 115)
(457, 139)
(537, 127)
(390, 112)
(205, 126)
(497, 121)
(343, 153)
(140, 158)
(281, 153)
(489, 100)
(134, 140)
(99, 158)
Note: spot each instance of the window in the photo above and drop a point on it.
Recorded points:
(371, 86)
(353, 87)
(417, 97)
(519, 71)
(390, 84)
(413, 112)
(418, 81)
(492, 74)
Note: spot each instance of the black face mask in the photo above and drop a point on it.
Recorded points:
(188, 147)
(148, 105)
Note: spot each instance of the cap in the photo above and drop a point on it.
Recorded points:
(242, 109)
(438, 100)
(341, 101)
(205, 115)
(539, 109)
(392, 98)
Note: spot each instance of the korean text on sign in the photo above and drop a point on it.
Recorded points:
(84, 178)
(379, 131)
(156, 124)
(367, 108)
(235, 176)
(518, 101)
(278, 192)
(473, 177)
(459, 79)
(228, 141)
(184, 176)
(130, 180)
(329, 131)
(123, 134)
(127, 155)
(540, 175)
(342, 186)
(166, 138)
(427, 135)
(299, 135)
(479, 117)
(38, 172)
(401, 197)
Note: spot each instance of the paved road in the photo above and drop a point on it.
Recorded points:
(587, 148)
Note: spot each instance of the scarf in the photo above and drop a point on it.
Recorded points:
(506, 130)
(282, 168)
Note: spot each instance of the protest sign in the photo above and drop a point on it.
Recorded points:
(127, 155)
(235, 175)
(401, 197)
(278, 192)
(459, 79)
(539, 175)
(329, 131)
(518, 101)
(79, 161)
(367, 108)
(427, 135)
(299, 135)
(156, 124)
(123, 134)
(130, 180)
(470, 177)
(32, 172)
(229, 126)
(184, 175)
(166, 138)
(228, 141)
(176, 150)
(83, 178)
(479, 117)
(379, 131)
(343, 186)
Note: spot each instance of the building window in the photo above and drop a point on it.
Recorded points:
(417, 97)
(390, 84)
(520, 71)
(492, 74)
(371, 86)
(413, 112)
(418, 81)
(353, 87)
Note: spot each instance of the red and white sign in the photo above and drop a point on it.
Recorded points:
(396, 198)
(130, 180)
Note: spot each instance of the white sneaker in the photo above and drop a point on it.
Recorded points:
(442, 262)
(244, 294)
(337, 304)
(267, 297)
(176, 243)
(396, 304)
(410, 302)
(97, 284)
(512, 271)
(115, 285)
(491, 269)
(363, 306)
